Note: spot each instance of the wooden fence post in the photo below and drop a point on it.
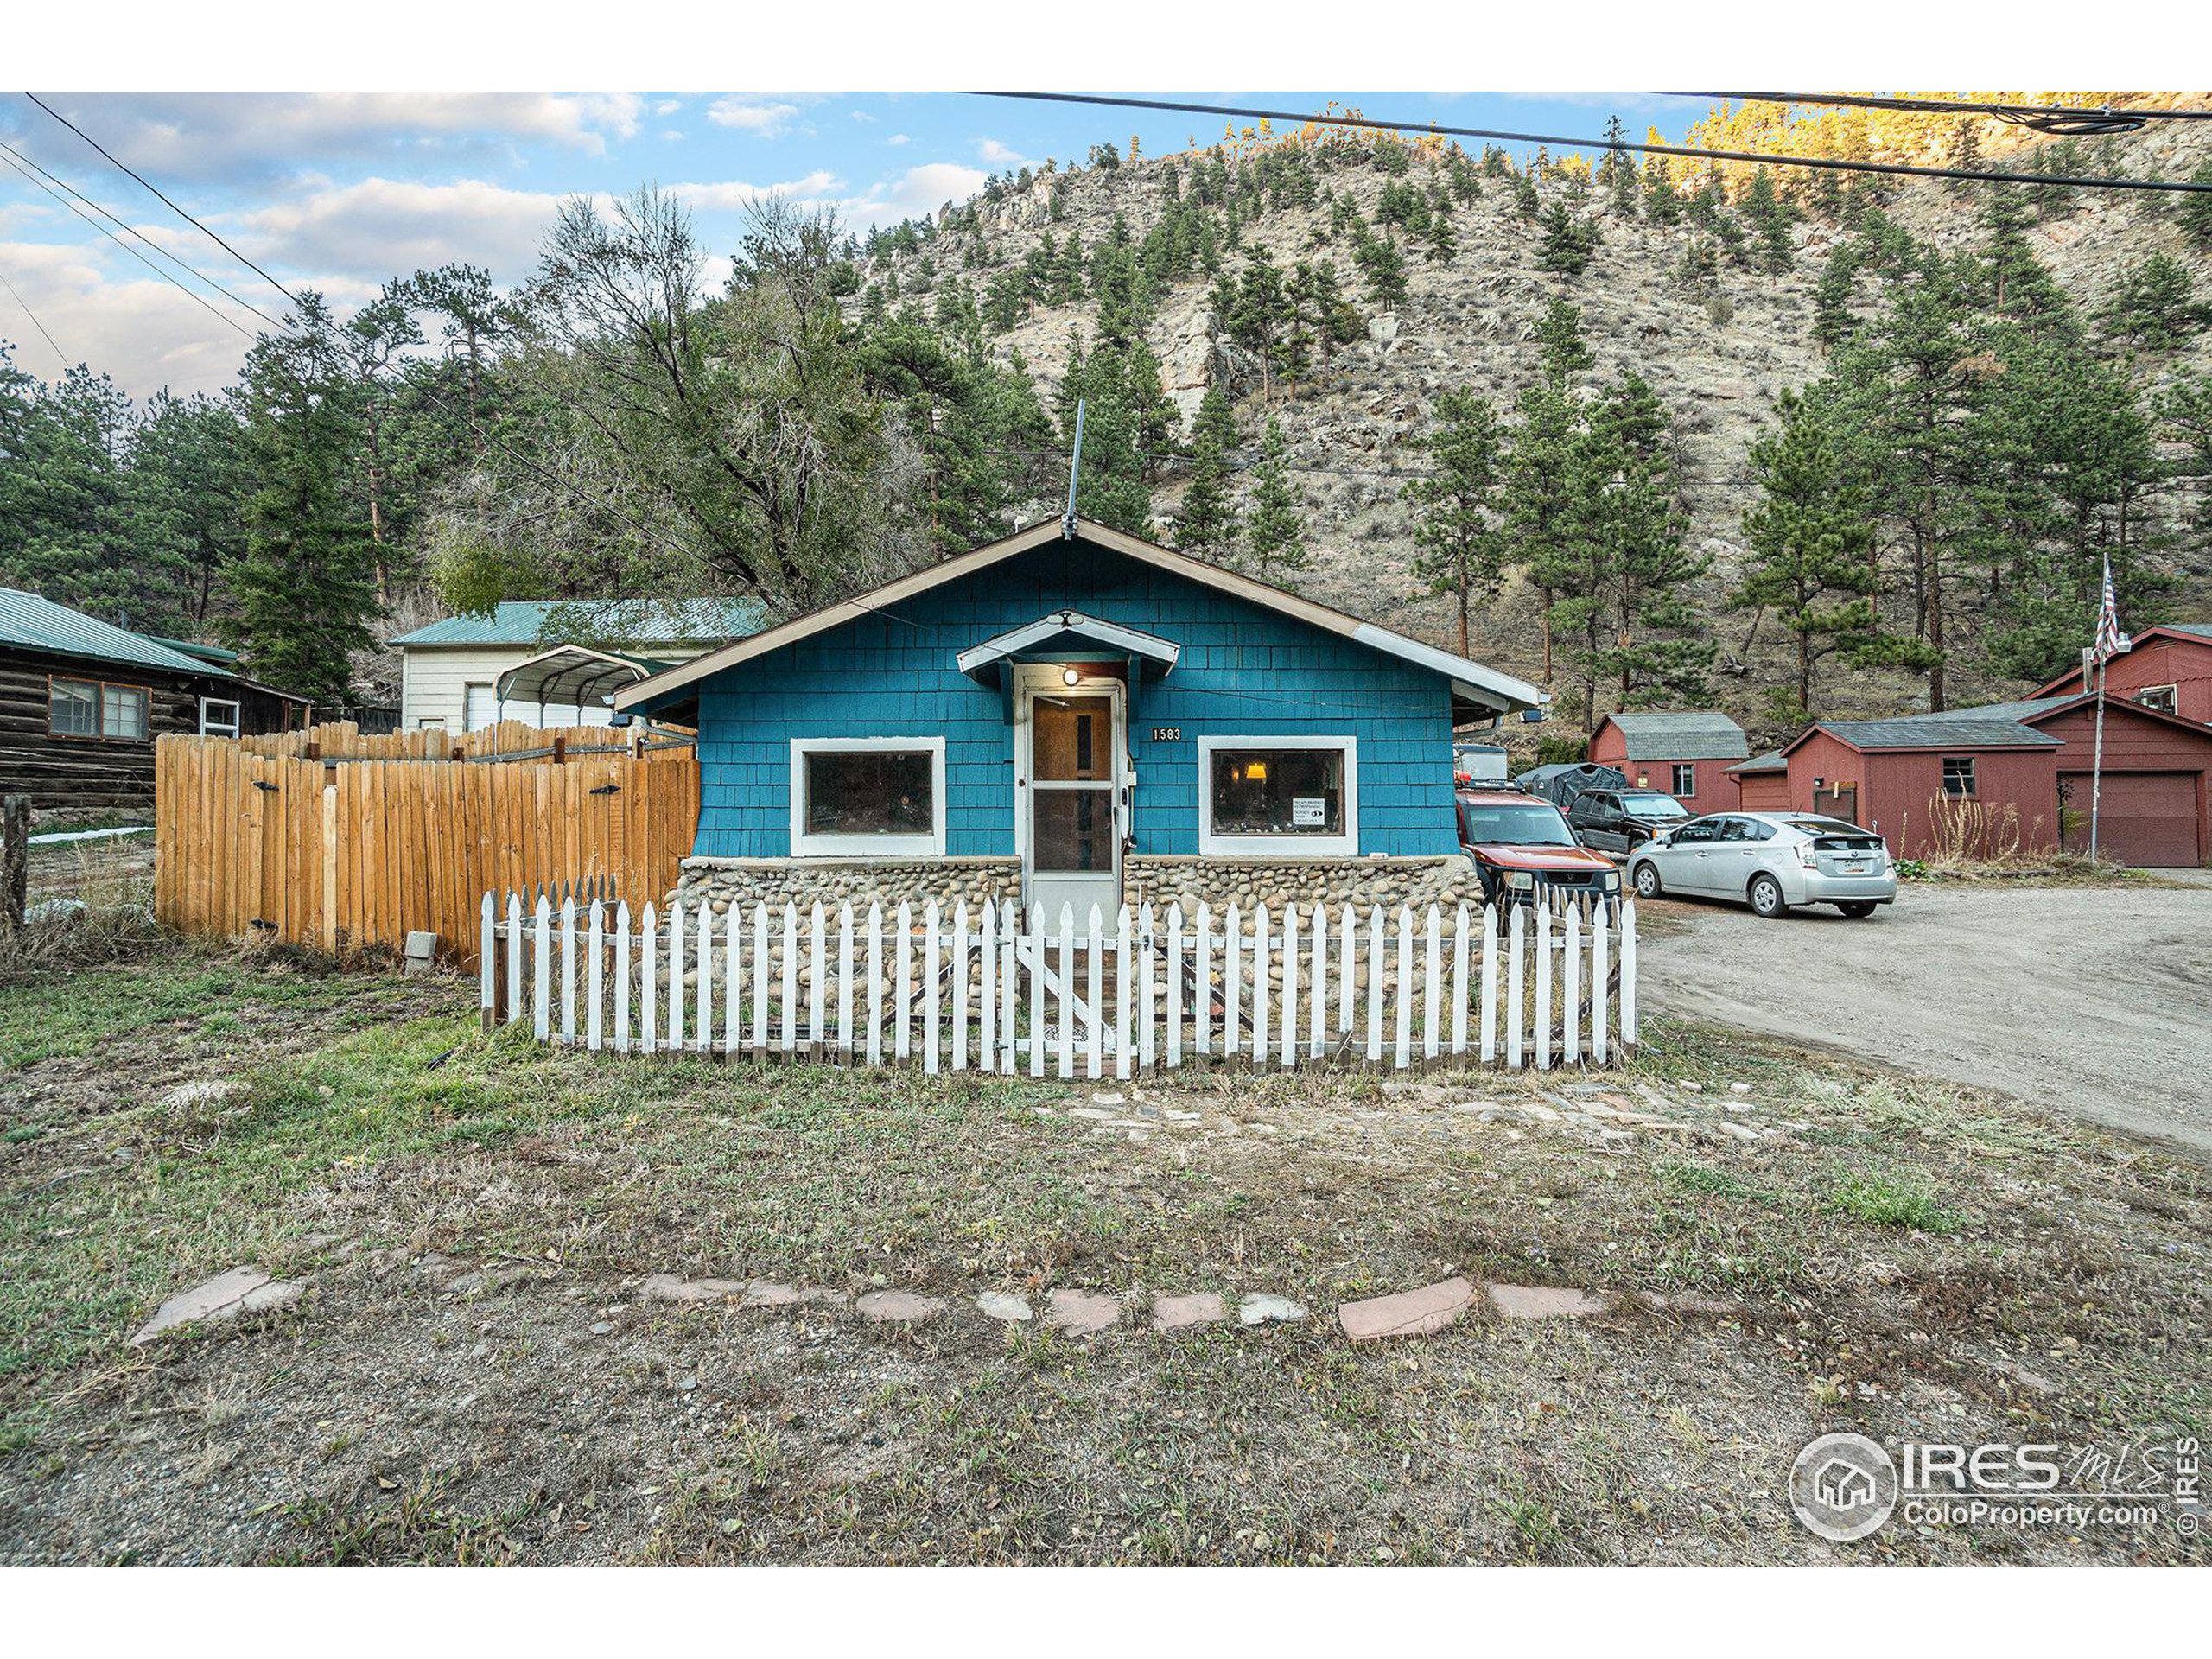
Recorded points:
(14, 860)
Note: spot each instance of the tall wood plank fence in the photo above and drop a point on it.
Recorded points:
(1002, 992)
(504, 739)
(346, 856)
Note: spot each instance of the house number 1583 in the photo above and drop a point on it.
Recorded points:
(1167, 733)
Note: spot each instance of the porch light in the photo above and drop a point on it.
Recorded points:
(1069, 676)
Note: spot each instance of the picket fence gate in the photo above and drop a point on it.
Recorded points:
(997, 991)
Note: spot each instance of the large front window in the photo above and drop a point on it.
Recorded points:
(91, 708)
(867, 796)
(1277, 795)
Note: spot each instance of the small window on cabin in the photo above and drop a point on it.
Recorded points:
(75, 710)
(867, 798)
(1685, 779)
(1292, 796)
(1958, 777)
(123, 711)
(2160, 697)
(218, 717)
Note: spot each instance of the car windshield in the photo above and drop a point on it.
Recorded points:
(1517, 826)
(1654, 806)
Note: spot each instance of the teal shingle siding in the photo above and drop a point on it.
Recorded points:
(1244, 670)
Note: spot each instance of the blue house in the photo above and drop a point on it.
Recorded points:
(1076, 715)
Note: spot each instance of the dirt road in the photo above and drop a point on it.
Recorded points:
(2096, 1002)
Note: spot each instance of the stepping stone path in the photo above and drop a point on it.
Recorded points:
(897, 1307)
(1083, 1313)
(1182, 1312)
(227, 1296)
(1262, 1309)
(1544, 1302)
(1409, 1313)
(1002, 1305)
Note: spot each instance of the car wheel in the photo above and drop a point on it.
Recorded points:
(1766, 896)
(1859, 910)
(1647, 881)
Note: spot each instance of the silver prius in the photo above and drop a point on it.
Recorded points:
(1770, 861)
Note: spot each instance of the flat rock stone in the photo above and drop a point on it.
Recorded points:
(1181, 1313)
(897, 1307)
(1543, 1301)
(241, 1290)
(1003, 1305)
(1083, 1313)
(1260, 1308)
(1409, 1314)
(667, 1287)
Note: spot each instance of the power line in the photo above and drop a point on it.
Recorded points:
(1829, 163)
(108, 212)
(200, 299)
(2056, 119)
(36, 323)
(165, 201)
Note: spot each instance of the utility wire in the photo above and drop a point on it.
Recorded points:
(2057, 119)
(1829, 163)
(117, 218)
(36, 323)
(200, 299)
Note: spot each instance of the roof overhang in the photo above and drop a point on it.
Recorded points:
(578, 676)
(1473, 686)
(1050, 638)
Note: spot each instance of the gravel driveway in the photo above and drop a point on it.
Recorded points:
(2091, 1000)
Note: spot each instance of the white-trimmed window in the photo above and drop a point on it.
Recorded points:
(218, 717)
(1279, 797)
(2160, 697)
(1685, 781)
(867, 798)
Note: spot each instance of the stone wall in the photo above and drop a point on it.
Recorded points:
(832, 882)
(1365, 882)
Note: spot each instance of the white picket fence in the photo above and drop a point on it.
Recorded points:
(996, 991)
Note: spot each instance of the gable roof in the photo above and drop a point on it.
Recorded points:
(1999, 726)
(1478, 684)
(37, 624)
(1681, 735)
(1772, 760)
(2195, 633)
(630, 622)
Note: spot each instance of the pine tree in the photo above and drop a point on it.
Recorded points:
(1207, 522)
(1568, 242)
(1384, 267)
(1809, 536)
(2195, 215)
(1770, 218)
(1455, 510)
(2155, 308)
(1443, 240)
(1258, 312)
(1562, 350)
(1274, 529)
(1833, 318)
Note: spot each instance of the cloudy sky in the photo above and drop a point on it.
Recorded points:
(339, 191)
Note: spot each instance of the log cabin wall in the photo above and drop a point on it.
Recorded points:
(72, 773)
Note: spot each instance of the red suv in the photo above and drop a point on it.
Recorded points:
(1522, 847)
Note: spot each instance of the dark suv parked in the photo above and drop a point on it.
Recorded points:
(1622, 820)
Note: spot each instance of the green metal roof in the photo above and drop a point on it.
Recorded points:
(36, 624)
(630, 622)
(194, 648)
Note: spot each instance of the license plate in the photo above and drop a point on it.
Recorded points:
(1854, 867)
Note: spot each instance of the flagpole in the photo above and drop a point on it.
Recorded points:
(2097, 763)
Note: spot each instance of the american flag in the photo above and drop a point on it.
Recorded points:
(2110, 641)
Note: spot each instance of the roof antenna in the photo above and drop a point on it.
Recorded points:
(1075, 466)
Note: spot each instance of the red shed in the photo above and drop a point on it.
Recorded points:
(1763, 783)
(1887, 774)
(2156, 808)
(2169, 669)
(1683, 752)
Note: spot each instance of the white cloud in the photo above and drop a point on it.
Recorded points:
(751, 115)
(145, 332)
(733, 196)
(861, 115)
(919, 191)
(897, 139)
(380, 227)
(198, 135)
(668, 107)
(997, 154)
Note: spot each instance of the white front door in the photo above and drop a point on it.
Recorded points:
(1069, 744)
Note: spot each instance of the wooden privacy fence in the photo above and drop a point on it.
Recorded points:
(997, 992)
(504, 739)
(344, 857)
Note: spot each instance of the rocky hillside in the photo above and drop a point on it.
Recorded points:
(1718, 356)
